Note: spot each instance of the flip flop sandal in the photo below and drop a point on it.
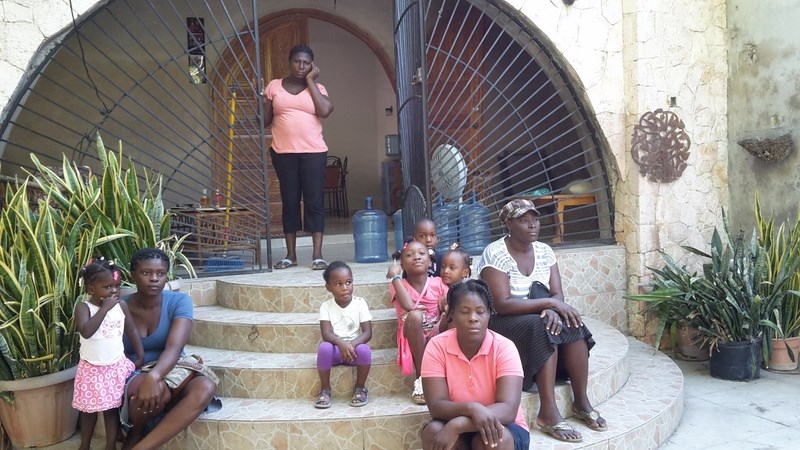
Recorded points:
(360, 397)
(323, 400)
(557, 430)
(285, 263)
(590, 418)
(318, 264)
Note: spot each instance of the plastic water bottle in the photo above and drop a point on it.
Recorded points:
(370, 234)
(445, 216)
(399, 237)
(474, 230)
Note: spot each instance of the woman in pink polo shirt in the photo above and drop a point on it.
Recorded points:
(472, 378)
(293, 106)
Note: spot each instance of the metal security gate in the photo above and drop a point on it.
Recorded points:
(177, 83)
(485, 109)
(411, 109)
(502, 119)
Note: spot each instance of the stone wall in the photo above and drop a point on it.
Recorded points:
(632, 57)
(763, 99)
(26, 26)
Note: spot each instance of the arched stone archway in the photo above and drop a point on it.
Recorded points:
(134, 88)
(624, 62)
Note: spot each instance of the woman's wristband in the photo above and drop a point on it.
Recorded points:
(396, 277)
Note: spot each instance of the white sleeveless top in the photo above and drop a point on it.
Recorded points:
(105, 345)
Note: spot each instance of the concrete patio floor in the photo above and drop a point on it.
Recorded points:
(756, 415)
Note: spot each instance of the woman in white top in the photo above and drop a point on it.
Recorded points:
(549, 333)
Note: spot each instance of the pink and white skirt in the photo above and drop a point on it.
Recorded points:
(100, 388)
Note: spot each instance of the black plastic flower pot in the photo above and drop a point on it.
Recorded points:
(737, 361)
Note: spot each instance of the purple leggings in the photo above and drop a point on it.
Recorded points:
(328, 355)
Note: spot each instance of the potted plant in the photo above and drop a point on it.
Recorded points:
(668, 301)
(40, 254)
(733, 302)
(779, 244)
(43, 248)
(130, 216)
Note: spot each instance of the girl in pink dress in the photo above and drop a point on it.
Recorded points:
(100, 381)
(419, 301)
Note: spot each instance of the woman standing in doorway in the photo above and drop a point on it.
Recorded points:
(293, 106)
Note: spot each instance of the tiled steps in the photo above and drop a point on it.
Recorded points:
(268, 397)
(232, 329)
(254, 374)
(260, 332)
(641, 415)
(294, 375)
(642, 409)
(259, 296)
(266, 361)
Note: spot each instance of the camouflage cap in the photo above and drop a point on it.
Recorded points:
(516, 208)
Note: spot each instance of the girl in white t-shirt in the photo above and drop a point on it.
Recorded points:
(346, 326)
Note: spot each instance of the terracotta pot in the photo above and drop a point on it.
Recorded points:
(42, 412)
(689, 345)
(779, 356)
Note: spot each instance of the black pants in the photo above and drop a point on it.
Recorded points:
(301, 175)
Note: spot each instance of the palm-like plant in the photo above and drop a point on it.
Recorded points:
(40, 256)
(736, 297)
(129, 217)
(670, 299)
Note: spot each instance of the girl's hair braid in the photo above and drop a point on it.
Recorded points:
(456, 248)
(146, 254)
(462, 288)
(96, 266)
(396, 255)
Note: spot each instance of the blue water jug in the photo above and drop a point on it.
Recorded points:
(445, 217)
(369, 234)
(474, 227)
(399, 237)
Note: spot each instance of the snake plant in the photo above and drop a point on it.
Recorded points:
(780, 244)
(130, 216)
(44, 243)
(736, 296)
(40, 254)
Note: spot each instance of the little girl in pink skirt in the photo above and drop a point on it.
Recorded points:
(101, 320)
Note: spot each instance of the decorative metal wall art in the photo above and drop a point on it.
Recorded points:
(660, 145)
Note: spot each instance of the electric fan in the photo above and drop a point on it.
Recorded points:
(449, 172)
